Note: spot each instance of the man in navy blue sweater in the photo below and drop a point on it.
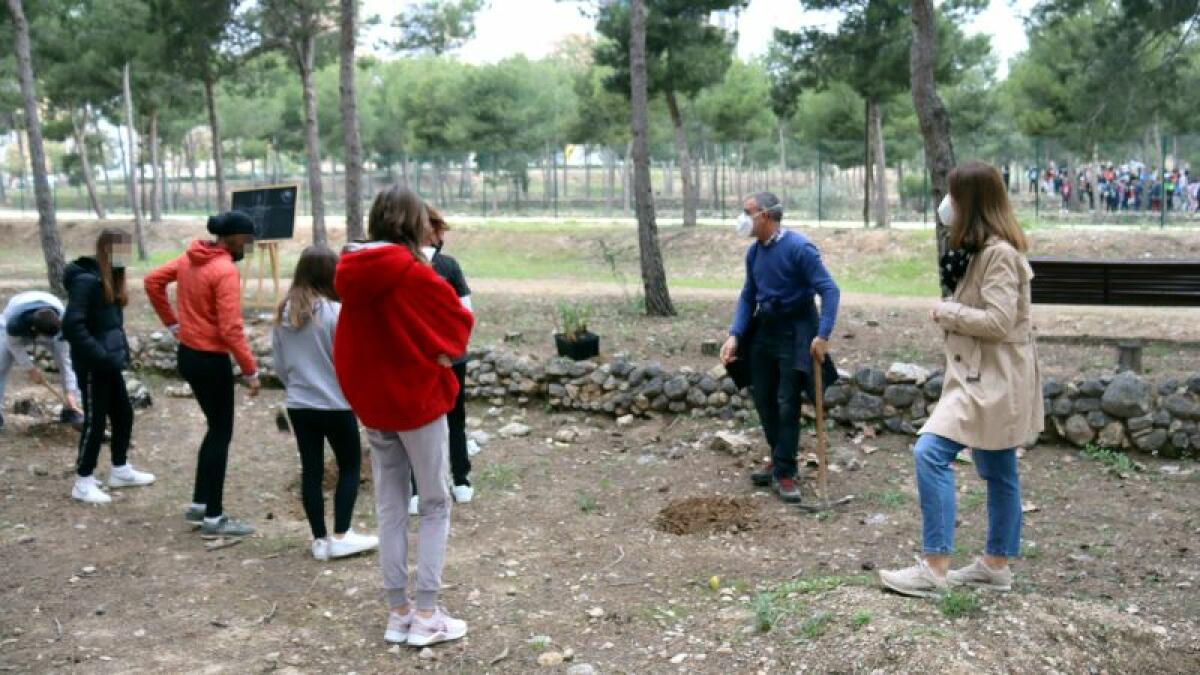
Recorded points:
(784, 274)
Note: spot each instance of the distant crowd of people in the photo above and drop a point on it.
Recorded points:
(1129, 187)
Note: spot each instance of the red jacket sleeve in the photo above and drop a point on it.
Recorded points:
(443, 324)
(156, 283)
(229, 320)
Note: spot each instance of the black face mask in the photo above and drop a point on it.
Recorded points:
(953, 267)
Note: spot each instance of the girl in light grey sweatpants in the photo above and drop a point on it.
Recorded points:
(395, 455)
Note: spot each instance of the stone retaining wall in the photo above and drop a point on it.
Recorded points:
(1124, 411)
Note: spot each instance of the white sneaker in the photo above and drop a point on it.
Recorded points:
(918, 581)
(438, 628)
(398, 626)
(87, 489)
(351, 544)
(414, 506)
(320, 549)
(979, 575)
(463, 493)
(127, 476)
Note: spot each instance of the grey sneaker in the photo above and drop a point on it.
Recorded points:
(194, 515)
(228, 527)
(918, 581)
(979, 575)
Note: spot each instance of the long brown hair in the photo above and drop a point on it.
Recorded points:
(112, 280)
(982, 209)
(312, 281)
(399, 216)
(436, 222)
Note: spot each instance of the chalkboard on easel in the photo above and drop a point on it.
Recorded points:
(273, 210)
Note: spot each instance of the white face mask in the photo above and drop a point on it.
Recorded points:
(945, 211)
(428, 251)
(744, 225)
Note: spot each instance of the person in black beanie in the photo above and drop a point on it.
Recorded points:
(209, 330)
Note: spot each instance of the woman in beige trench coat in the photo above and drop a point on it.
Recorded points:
(992, 395)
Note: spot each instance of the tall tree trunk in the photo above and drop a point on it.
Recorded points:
(131, 181)
(80, 131)
(654, 276)
(189, 154)
(587, 175)
(867, 165)
(626, 178)
(312, 141)
(716, 179)
(668, 179)
(880, 168)
(156, 177)
(931, 113)
(685, 161)
(610, 180)
(47, 225)
(214, 125)
(24, 164)
(352, 137)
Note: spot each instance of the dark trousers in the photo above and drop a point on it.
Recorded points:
(778, 388)
(104, 399)
(210, 376)
(456, 419)
(312, 428)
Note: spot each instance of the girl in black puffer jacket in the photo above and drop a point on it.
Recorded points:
(94, 325)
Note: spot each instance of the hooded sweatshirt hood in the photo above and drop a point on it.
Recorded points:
(79, 266)
(367, 271)
(201, 252)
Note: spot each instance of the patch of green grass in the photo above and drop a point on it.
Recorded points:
(958, 603)
(860, 619)
(770, 609)
(1030, 551)
(1116, 461)
(497, 477)
(586, 502)
(816, 625)
(912, 275)
(888, 498)
(972, 501)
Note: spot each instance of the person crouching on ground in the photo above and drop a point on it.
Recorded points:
(303, 348)
(94, 325)
(401, 326)
(784, 273)
(35, 318)
(460, 460)
(209, 329)
(992, 395)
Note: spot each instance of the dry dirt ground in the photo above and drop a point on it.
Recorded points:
(562, 551)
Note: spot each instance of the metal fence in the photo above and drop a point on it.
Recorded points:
(1121, 183)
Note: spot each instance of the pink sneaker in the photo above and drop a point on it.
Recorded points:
(437, 628)
(398, 626)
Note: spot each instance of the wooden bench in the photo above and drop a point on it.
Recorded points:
(1127, 283)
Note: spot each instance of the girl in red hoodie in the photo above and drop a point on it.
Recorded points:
(209, 329)
(399, 327)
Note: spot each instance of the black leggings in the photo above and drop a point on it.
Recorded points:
(210, 375)
(456, 419)
(312, 427)
(104, 398)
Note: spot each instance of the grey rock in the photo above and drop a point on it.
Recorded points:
(864, 407)
(1127, 396)
(871, 381)
(731, 443)
(696, 397)
(1086, 405)
(676, 388)
(1162, 419)
(556, 391)
(1193, 385)
(1052, 389)
(907, 373)
(558, 367)
(933, 388)
(1181, 406)
(1091, 388)
(1111, 436)
(652, 388)
(1169, 387)
(728, 386)
(1180, 441)
(1078, 431)
(1140, 423)
(1062, 406)
(708, 385)
(677, 406)
(837, 395)
(582, 669)
(901, 395)
(636, 375)
(514, 430)
(1097, 419)
(660, 403)
(1150, 441)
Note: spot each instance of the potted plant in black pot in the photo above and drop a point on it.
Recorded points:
(574, 340)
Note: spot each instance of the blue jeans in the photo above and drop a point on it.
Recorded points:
(777, 389)
(935, 484)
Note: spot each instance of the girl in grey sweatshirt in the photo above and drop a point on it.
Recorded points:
(303, 346)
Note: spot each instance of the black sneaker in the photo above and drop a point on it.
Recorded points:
(72, 417)
(788, 490)
(227, 527)
(764, 476)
